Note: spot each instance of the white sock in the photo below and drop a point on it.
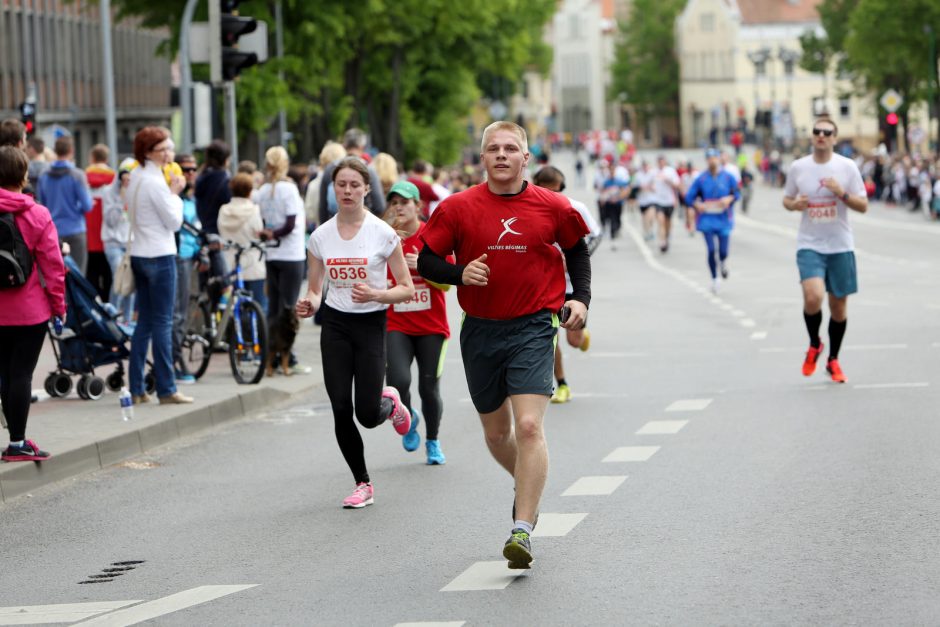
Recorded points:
(21, 443)
(525, 526)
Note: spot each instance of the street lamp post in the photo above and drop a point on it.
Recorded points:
(759, 58)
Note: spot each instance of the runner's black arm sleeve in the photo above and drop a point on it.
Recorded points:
(578, 258)
(436, 269)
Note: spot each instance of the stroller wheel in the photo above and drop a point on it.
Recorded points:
(115, 381)
(82, 387)
(150, 383)
(94, 388)
(61, 384)
(49, 385)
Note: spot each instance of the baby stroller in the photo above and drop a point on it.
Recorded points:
(90, 338)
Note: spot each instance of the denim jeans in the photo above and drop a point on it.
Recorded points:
(184, 274)
(124, 304)
(156, 294)
(257, 293)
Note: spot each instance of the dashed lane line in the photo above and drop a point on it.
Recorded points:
(455, 623)
(662, 427)
(690, 404)
(759, 335)
(631, 454)
(557, 525)
(886, 386)
(483, 576)
(595, 486)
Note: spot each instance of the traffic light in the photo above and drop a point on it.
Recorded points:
(892, 119)
(231, 27)
(28, 117)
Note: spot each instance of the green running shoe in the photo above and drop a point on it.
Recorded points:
(518, 549)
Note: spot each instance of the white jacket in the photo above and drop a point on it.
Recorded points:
(240, 221)
(157, 213)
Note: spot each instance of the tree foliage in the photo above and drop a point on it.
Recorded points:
(645, 66)
(405, 70)
(880, 44)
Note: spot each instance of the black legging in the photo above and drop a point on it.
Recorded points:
(18, 358)
(283, 281)
(427, 349)
(352, 347)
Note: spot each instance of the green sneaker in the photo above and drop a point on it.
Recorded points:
(518, 549)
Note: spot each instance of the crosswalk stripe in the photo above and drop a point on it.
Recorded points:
(759, 335)
(166, 605)
(58, 613)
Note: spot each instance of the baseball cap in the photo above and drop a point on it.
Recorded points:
(405, 189)
(712, 152)
(128, 164)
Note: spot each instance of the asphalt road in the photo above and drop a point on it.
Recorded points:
(755, 495)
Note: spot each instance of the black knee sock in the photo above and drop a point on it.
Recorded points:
(813, 322)
(836, 333)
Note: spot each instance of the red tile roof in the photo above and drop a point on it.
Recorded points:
(777, 11)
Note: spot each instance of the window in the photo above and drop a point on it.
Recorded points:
(788, 67)
(845, 107)
(706, 22)
(574, 26)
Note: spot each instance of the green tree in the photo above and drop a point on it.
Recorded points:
(405, 70)
(645, 66)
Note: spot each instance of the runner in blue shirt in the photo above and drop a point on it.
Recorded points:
(712, 195)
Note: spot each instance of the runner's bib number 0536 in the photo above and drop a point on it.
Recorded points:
(421, 301)
(822, 212)
(347, 271)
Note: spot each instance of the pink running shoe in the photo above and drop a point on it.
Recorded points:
(400, 417)
(360, 497)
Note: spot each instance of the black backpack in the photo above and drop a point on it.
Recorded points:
(16, 264)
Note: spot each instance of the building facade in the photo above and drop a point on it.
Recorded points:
(53, 49)
(739, 68)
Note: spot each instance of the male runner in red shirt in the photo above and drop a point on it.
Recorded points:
(511, 286)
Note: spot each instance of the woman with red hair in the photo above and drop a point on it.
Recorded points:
(155, 210)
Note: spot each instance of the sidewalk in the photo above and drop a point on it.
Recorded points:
(83, 436)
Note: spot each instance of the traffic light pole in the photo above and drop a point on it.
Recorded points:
(186, 78)
(110, 114)
(231, 123)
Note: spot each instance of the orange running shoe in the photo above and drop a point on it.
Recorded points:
(833, 368)
(812, 356)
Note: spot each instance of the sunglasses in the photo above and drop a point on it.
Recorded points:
(188, 170)
(823, 131)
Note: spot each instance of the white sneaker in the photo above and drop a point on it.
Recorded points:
(716, 285)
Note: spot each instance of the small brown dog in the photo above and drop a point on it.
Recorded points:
(282, 331)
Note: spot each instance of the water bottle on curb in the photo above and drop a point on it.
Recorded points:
(127, 405)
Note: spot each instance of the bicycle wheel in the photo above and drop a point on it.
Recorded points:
(197, 341)
(248, 356)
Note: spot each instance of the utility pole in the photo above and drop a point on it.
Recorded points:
(279, 44)
(186, 77)
(110, 115)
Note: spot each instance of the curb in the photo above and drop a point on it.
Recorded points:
(25, 477)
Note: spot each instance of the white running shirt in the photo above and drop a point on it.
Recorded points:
(362, 259)
(276, 204)
(824, 225)
(664, 194)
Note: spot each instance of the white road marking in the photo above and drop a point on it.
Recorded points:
(60, 613)
(815, 388)
(747, 323)
(631, 454)
(594, 486)
(759, 335)
(483, 576)
(927, 306)
(727, 306)
(598, 395)
(883, 386)
(737, 313)
(778, 349)
(936, 344)
(690, 404)
(455, 623)
(662, 427)
(556, 525)
(164, 606)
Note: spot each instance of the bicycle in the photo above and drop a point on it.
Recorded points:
(238, 319)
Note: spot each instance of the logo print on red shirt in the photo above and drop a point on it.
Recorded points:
(507, 228)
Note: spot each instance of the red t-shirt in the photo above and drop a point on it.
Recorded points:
(426, 312)
(99, 177)
(427, 193)
(518, 235)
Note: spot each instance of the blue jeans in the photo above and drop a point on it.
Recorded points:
(156, 295)
(257, 293)
(124, 304)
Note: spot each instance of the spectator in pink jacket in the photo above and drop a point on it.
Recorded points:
(25, 310)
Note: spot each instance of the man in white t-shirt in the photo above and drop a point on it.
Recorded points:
(824, 186)
(643, 181)
(665, 184)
